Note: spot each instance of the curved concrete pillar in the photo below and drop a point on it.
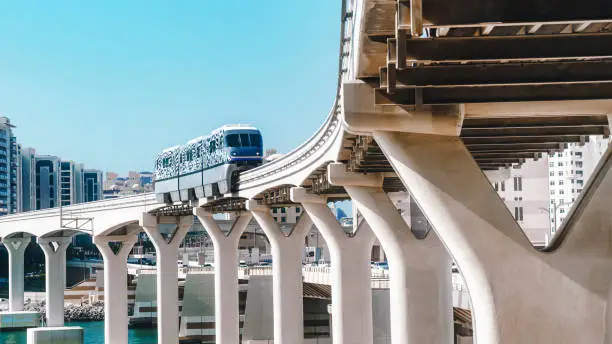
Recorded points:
(518, 295)
(16, 249)
(350, 268)
(115, 287)
(287, 273)
(167, 272)
(419, 270)
(227, 316)
(55, 277)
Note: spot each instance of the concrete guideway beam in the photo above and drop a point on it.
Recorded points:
(361, 115)
(167, 272)
(556, 299)
(351, 284)
(287, 273)
(419, 270)
(227, 316)
(115, 286)
(16, 249)
(54, 249)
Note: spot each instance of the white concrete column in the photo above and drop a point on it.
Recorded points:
(227, 316)
(16, 248)
(517, 293)
(350, 268)
(115, 287)
(55, 279)
(287, 273)
(419, 270)
(167, 271)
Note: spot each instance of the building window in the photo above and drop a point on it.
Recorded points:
(518, 184)
(518, 213)
(579, 190)
(503, 186)
(561, 192)
(579, 172)
(551, 164)
(283, 219)
(297, 209)
(552, 192)
(283, 210)
(579, 154)
(552, 173)
(561, 211)
(496, 186)
(560, 163)
(579, 181)
(275, 210)
(560, 173)
(560, 182)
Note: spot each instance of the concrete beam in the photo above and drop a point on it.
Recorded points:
(338, 175)
(361, 115)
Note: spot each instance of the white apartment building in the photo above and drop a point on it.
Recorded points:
(569, 172)
(525, 192)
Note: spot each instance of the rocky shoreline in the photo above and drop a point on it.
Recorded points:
(73, 312)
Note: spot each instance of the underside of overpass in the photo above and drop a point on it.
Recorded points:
(479, 54)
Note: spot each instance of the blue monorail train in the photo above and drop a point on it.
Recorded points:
(207, 166)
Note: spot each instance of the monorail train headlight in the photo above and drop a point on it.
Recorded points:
(257, 153)
(234, 153)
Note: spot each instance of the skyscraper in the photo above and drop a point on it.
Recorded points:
(47, 181)
(27, 171)
(92, 185)
(569, 172)
(8, 168)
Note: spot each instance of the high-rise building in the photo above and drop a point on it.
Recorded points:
(92, 185)
(47, 181)
(71, 182)
(8, 168)
(525, 192)
(569, 172)
(27, 171)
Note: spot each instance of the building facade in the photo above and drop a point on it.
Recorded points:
(27, 171)
(92, 185)
(47, 188)
(525, 192)
(8, 168)
(569, 172)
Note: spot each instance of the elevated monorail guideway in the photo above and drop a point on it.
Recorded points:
(528, 77)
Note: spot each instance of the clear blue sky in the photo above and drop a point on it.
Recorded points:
(111, 83)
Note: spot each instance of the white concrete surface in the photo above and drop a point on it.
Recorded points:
(55, 280)
(115, 287)
(56, 335)
(167, 272)
(350, 257)
(16, 248)
(287, 273)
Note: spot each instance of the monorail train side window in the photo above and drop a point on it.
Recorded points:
(244, 140)
(255, 140)
(212, 147)
(232, 140)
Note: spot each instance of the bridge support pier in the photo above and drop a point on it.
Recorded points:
(287, 273)
(16, 248)
(115, 286)
(419, 270)
(167, 271)
(227, 316)
(518, 294)
(350, 268)
(55, 279)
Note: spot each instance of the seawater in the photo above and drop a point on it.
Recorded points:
(94, 334)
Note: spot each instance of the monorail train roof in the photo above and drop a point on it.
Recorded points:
(169, 149)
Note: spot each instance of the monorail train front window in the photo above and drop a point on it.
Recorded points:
(255, 140)
(244, 140)
(232, 140)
